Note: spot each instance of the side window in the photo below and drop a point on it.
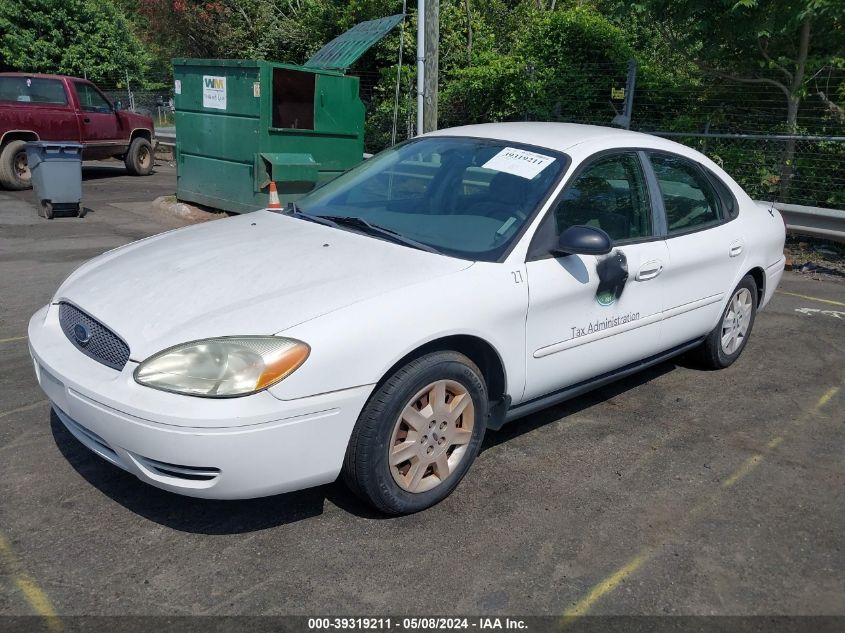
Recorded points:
(90, 100)
(609, 194)
(688, 196)
(729, 203)
(32, 90)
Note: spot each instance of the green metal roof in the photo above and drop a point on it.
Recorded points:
(343, 50)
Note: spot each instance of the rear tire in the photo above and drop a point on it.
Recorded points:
(14, 173)
(418, 434)
(139, 159)
(726, 341)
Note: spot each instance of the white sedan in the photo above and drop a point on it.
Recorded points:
(379, 327)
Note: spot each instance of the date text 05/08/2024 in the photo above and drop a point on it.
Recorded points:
(414, 624)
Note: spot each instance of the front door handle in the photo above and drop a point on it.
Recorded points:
(649, 270)
(736, 249)
(87, 120)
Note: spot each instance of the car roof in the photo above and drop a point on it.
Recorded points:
(561, 136)
(41, 76)
(567, 137)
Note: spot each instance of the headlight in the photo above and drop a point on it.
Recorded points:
(223, 367)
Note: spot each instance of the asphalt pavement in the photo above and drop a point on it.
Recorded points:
(675, 491)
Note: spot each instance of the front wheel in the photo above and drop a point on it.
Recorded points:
(727, 340)
(14, 172)
(139, 158)
(418, 434)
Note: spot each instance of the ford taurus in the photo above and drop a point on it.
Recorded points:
(379, 326)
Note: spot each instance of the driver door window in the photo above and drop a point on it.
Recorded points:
(90, 100)
(609, 194)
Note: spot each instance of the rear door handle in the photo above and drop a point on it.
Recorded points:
(736, 249)
(87, 120)
(649, 270)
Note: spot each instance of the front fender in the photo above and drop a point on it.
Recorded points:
(358, 344)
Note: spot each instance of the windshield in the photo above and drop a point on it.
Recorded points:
(465, 197)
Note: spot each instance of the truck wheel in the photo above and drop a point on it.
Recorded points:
(14, 173)
(139, 158)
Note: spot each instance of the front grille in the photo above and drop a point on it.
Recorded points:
(92, 338)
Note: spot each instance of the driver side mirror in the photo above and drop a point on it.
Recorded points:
(118, 106)
(583, 240)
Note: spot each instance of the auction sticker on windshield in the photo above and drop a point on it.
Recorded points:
(519, 162)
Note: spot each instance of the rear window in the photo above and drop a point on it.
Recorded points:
(32, 90)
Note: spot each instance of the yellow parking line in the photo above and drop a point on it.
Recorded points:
(825, 398)
(755, 460)
(809, 298)
(606, 585)
(26, 407)
(750, 464)
(13, 338)
(611, 582)
(775, 442)
(34, 595)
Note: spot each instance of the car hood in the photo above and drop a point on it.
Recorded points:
(258, 273)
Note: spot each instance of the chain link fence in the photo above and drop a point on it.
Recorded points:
(740, 126)
(151, 95)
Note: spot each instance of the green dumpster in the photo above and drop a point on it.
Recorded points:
(241, 124)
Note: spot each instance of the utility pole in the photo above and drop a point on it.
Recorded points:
(420, 64)
(432, 63)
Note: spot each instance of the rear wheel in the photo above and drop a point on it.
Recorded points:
(727, 340)
(139, 158)
(14, 172)
(418, 434)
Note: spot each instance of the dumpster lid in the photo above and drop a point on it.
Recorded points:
(343, 50)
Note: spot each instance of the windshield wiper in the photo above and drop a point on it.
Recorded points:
(374, 229)
(294, 210)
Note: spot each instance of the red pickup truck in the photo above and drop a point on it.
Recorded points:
(58, 108)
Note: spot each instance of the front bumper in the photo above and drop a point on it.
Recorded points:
(232, 448)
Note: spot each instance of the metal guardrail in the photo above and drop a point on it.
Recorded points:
(166, 136)
(828, 224)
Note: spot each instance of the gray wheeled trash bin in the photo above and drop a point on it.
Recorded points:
(56, 168)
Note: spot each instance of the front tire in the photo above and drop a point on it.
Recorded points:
(139, 159)
(418, 434)
(14, 172)
(726, 341)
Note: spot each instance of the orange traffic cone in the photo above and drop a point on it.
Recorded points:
(274, 197)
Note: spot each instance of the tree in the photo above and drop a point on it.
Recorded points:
(777, 43)
(72, 37)
(548, 73)
(279, 30)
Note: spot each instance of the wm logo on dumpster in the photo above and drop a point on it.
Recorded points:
(213, 92)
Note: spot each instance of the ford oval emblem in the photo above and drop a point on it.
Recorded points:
(82, 334)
